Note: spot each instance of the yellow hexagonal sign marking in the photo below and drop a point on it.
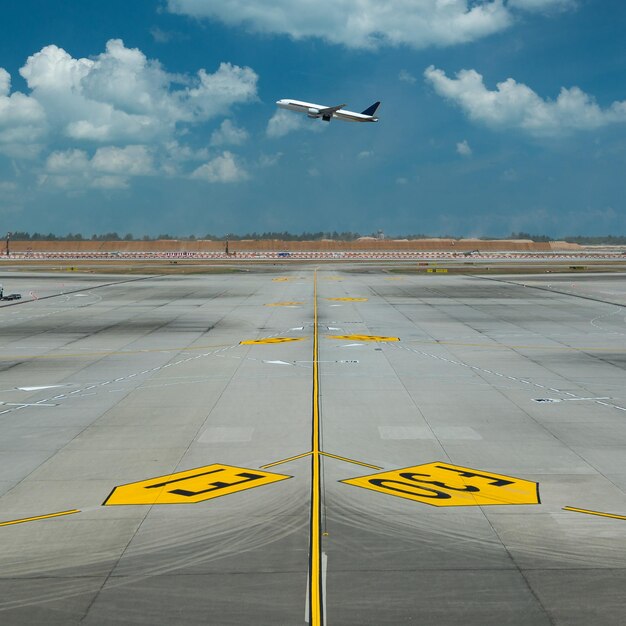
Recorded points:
(254, 342)
(442, 484)
(196, 485)
(362, 338)
(284, 304)
(347, 299)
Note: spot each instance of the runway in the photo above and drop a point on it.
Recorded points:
(339, 445)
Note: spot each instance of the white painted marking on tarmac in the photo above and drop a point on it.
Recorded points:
(226, 434)
(333, 328)
(324, 570)
(352, 345)
(26, 404)
(297, 328)
(277, 362)
(38, 388)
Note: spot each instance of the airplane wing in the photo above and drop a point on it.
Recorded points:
(331, 110)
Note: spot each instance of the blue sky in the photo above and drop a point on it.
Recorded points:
(158, 116)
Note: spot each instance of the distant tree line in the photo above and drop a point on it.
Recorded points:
(617, 240)
(114, 236)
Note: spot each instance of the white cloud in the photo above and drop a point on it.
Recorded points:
(130, 105)
(221, 169)
(515, 105)
(128, 161)
(228, 134)
(407, 77)
(110, 167)
(401, 180)
(365, 154)
(542, 5)
(122, 96)
(360, 23)
(463, 148)
(284, 122)
(70, 161)
(269, 160)
(22, 121)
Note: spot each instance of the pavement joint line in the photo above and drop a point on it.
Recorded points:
(513, 378)
(108, 382)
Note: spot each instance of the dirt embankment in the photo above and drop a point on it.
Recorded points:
(265, 245)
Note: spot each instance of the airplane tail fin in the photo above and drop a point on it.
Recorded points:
(371, 110)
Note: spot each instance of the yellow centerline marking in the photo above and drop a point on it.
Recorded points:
(291, 458)
(589, 512)
(38, 517)
(316, 615)
(347, 460)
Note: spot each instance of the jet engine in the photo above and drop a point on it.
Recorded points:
(313, 112)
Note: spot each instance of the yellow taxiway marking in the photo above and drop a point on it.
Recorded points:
(191, 486)
(316, 590)
(589, 512)
(291, 458)
(362, 338)
(281, 279)
(254, 342)
(38, 517)
(347, 299)
(442, 484)
(284, 304)
(328, 454)
(347, 460)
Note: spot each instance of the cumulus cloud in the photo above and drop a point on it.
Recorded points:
(221, 169)
(284, 122)
(360, 23)
(269, 160)
(407, 77)
(110, 167)
(229, 134)
(542, 5)
(122, 96)
(515, 105)
(22, 121)
(134, 111)
(463, 148)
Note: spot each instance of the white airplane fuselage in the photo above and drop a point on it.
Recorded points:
(322, 111)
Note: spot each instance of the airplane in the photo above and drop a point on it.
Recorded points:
(327, 113)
